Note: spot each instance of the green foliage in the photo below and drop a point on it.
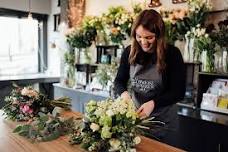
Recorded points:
(69, 58)
(82, 38)
(106, 73)
(45, 128)
(137, 8)
(220, 36)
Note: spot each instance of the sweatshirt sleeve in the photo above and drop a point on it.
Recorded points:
(175, 77)
(122, 77)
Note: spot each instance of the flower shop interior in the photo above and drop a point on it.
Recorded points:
(72, 48)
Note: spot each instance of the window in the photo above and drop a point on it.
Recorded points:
(18, 45)
(23, 42)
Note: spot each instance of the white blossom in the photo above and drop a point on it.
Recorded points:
(137, 140)
(115, 144)
(94, 127)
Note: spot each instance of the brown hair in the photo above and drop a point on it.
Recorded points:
(152, 21)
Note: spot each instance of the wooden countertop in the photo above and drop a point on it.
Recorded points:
(11, 142)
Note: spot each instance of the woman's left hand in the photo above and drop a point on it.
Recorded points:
(146, 109)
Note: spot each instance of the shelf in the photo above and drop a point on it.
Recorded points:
(214, 109)
(214, 74)
(87, 68)
(107, 51)
(205, 79)
(107, 46)
(91, 68)
(193, 63)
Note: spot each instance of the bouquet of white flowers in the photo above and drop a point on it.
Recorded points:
(111, 125)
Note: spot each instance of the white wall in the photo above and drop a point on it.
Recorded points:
(38, 6)
(53, 38)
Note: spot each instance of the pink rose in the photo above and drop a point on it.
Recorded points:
(30, 111)
(25, 109)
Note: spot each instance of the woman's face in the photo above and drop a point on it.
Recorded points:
(145, 38)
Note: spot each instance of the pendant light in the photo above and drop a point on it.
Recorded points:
(30, 14)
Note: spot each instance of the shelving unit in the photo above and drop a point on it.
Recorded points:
(106, 50)
(204, 81)
(87, 68)
(192, 68)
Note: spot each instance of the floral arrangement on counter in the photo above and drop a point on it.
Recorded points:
(25, 103)
(111, 125)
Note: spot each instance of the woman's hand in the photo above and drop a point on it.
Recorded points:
(146, 109)
(125, 95)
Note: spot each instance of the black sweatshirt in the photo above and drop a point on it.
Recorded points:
(173, 77)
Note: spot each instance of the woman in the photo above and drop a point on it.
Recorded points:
(155, 70)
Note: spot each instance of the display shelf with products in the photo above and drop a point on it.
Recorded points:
(205, 81)
(88, 69)
(106, 52)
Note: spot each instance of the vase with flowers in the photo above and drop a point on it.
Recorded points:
(194, 45)
(206, 47)
(118, 24)
(69, 69)
(82, 38)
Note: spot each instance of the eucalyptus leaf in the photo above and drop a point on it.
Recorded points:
(17, 129)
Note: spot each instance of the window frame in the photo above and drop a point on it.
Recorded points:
(42, 33)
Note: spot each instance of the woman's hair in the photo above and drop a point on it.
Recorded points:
(151, 21)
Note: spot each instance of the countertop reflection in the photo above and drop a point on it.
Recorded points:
(200, 114)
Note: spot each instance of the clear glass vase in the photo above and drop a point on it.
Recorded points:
(70, 75)
(189, 50)
(208, 62)
(84, 56)
(225, 60)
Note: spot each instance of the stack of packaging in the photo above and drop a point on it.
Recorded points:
(216, 97)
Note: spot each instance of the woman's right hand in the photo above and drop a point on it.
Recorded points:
(125, 95)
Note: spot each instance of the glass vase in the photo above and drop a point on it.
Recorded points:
(84, 56)
(70, 75)
(189, 50)
(225, 61)
(207, 62)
